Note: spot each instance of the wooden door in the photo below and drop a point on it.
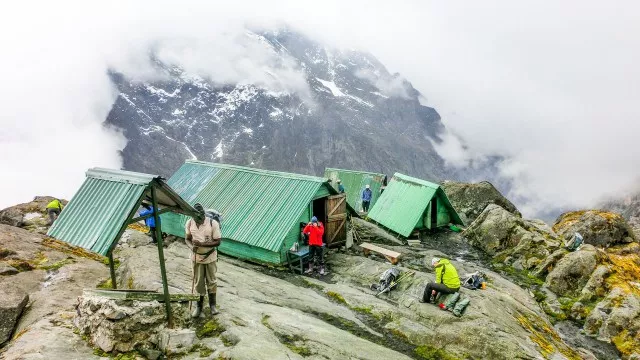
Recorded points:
(335, 231)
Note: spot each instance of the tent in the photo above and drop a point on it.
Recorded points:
(262, 210)
(354, 182)
(409, 203)
(106, 204)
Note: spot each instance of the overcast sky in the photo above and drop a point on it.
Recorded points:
(552, 86)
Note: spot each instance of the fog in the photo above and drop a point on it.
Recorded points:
(550, 87)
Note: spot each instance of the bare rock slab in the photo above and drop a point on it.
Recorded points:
(12, 303)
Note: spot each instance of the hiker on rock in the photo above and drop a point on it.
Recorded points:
(54, 208)
(340, 187)
(315, 230)
(202, 235)
(367, 194)
(447, 280)
(150, 221)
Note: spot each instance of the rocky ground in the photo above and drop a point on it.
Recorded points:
(542, 302)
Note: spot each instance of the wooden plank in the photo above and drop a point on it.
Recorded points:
(380, 250)
(140, 295)
(340, 202)
(337, 231)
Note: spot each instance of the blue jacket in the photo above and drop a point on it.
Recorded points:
(150, 221)
(340, 188)
(367, 194)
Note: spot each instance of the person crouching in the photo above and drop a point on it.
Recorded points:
(447, 280)
(202, 235)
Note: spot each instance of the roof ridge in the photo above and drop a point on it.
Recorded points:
(264, 172)
(121, 175)
(416, 180)
(354, 171)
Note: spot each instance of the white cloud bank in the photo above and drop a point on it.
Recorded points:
(550, 85)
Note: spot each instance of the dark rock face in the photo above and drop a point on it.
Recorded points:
(470, 200)
(352, 118)
(599, 228)
(12, 302)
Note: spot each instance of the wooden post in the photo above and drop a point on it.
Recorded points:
(163, 271)
(112, 269)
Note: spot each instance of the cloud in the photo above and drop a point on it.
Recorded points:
(389, 85)
(550, 88)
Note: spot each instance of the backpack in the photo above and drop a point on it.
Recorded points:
(473, 281)
(214, 215)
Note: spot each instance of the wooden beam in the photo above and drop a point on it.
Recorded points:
(163, 270)
(112, 270)
(141, 295)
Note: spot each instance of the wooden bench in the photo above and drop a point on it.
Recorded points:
(390, 255)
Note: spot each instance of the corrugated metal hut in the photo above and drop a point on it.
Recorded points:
(409, 203)
(262, 210)
(354, 182)
(106, 204)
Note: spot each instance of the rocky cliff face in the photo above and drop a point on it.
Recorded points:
(355, 115)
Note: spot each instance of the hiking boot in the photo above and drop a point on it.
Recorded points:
(322, 272)
(309, 270)
(198, 310)
(212, 304)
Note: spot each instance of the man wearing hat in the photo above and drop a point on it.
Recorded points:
(340, 187)
(366, 198)
(447, 280)
(202, 235)
(315, 230)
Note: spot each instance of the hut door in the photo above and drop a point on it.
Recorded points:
(434, 212)
(335, 231)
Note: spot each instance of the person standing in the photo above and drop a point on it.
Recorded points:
(340, 187)
(315, 230)
(150, 221)
(203, 236)
(54, 208)
(447, 280)
(367, 194)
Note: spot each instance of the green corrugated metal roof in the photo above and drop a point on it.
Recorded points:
(96, 213)
(259, 207)
(354, 182)
(404, 201)
(103, 204)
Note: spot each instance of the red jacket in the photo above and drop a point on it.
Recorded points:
(315, 233)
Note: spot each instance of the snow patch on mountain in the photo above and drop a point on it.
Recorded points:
(331, 86)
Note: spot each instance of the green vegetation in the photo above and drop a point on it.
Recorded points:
(210, 329)
(308, 284)
(105, 284)
(293, 343)
(520, 277)
(265, 321)
(431, 353)
(363, 309)
(131, 355)
(6, 252)
(57, 265)
(336, 297)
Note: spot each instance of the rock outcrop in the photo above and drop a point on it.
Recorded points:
(31, 215)
(573, 271)
(598, 228)
(12, 303)
(470, 200)
(523, 244)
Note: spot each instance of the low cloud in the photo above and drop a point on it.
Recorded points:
(550, 89)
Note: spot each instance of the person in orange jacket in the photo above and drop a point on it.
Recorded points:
(315, 230)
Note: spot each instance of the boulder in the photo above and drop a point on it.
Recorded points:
(6, 269)
(470, 200)
(573, 271)
(616, 319)
(122, 326)
(14, 215)
(521, 243)
(176, 341)
(595, 286)
(599, 228)
(12, 302)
